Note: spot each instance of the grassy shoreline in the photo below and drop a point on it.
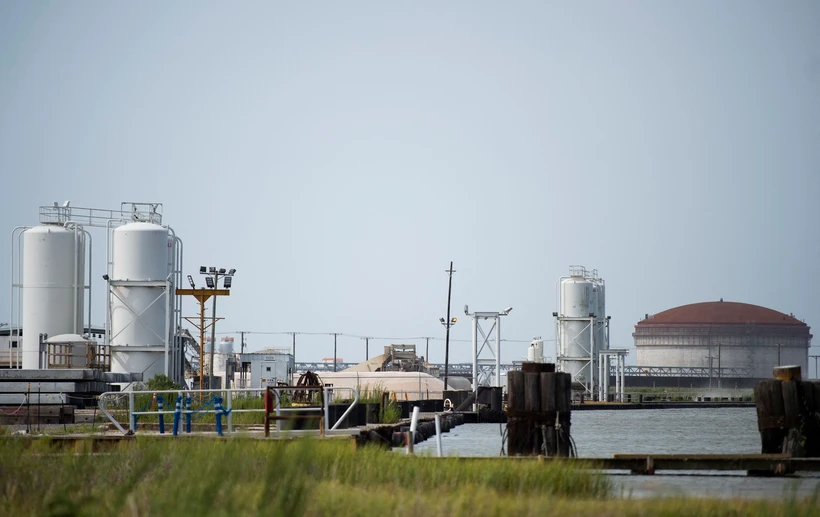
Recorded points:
(311, 477)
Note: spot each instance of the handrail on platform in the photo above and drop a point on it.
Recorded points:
(214, 398)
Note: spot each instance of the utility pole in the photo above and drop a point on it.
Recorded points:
(367, 349)
(293, 347)
(447, 334)
(427, 350)
(334, 351)
(816, 375)
(213, 341)
(720, 374)
(710, 357)
(242, 342)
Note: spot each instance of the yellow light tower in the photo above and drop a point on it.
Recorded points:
(202, 295)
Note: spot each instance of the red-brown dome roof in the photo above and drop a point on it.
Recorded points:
(720, 313)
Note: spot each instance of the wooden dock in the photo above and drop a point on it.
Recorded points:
(592, 406)
(640, 464)
(648, 464)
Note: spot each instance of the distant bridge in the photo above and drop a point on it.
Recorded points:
(637, 375)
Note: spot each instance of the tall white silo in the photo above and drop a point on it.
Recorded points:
(141, 300)
(53, 286)
(574, 335)
(581, 326)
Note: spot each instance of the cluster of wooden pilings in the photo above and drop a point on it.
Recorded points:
(538, 411)
(788, 412)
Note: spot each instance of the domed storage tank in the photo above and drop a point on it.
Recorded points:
(141, 310)
(53, 286)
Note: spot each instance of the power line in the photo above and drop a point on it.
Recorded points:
(358, 336)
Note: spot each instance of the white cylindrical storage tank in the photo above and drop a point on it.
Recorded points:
(53, 286)
(141, 316)
(222, 352)
(206, 359)
(535, 354)
(577, 300)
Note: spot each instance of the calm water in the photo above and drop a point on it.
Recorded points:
(601, 433)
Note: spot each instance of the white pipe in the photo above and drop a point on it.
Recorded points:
(79, 228)
(591, 354)
(90, 255)
(438, 435)
(180, 369)
(414, 421)
(170, 317)
(20, 299)
(497, 350)
(108, 272)
(76, 280)
(475, 354)
(12, 327)
(411, 436)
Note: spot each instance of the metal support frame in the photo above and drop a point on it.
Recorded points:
(589, 361)
(483, 368)
(604, 369)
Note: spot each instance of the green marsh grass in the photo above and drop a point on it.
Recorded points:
(203, 477)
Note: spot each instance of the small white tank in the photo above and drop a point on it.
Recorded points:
(224, 350)
(535, 353)
(53, 286)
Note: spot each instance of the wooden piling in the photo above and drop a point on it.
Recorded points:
(515, 408)
(563, 401)
(533, 440)
(807, 413)
(538, 398)
(770, 415)
(786, 416)
(794, 442)
(548, 408)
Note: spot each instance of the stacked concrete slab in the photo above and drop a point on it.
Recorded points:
(73, 387)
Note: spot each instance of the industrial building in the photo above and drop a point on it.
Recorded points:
(725, 339)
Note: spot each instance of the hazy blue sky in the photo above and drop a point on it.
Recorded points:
(340, 154)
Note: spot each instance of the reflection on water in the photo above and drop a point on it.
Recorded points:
(602, 433)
